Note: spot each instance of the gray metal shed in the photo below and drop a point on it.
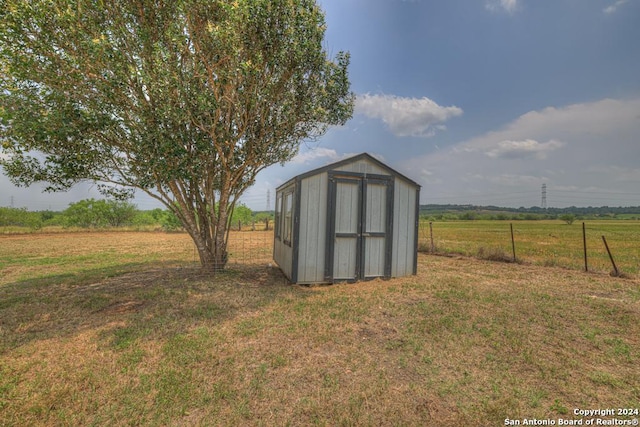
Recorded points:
(352, 220)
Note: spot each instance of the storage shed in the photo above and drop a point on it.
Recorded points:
(356, 219)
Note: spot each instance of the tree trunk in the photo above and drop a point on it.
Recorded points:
(213, 259)
(213, 254)
(212, 249)
(220, 255)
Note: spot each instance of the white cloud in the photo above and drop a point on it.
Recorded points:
(406, 116)
(328, 154)
(523, 149)
(508, 6)
(612, 8)
(317, 153)
(579, 146)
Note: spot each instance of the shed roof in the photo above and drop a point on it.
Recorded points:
(346, 161)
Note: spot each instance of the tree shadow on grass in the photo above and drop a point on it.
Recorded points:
(134, 301)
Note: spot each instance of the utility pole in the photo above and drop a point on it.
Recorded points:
(544, 196)
(268, 199)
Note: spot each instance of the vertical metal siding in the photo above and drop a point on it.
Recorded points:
(376, 214)
(374, 260)
(412, 231)
(375, 222)
(347, 226)
(345, 259)
(347, 208)
(282, 253)
(313, 223)
(404, 233)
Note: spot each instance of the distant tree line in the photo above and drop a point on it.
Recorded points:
(473, 212)
(101, 214)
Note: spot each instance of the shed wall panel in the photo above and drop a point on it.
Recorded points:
(344, 262)
(347, 209)
(313, 223)
(374, 260)
(403, 229)
(283, 256)
(283, 253)
(376, 219)
(347, 228)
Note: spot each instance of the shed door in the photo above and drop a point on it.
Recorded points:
(359, 245)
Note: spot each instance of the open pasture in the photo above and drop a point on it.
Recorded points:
(50, 256)
(122, 329)
(548, 243)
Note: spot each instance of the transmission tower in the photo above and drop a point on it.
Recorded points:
(544, 196)
(268, 199)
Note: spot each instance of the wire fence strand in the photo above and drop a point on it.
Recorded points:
(549, 243)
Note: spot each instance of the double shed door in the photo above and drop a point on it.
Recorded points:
(359, 235)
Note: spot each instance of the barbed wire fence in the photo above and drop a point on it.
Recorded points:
(592, 246)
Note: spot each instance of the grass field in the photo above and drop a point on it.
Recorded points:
(549, 243)
(121, 329)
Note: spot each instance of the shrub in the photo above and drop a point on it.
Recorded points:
(494, 254)
(568, 218)
(20, 217)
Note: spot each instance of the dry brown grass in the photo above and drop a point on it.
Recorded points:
(464, 343)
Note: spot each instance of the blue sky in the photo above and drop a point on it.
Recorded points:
(481, 102)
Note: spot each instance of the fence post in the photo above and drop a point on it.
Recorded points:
(431, 235)
(584, 244)
(610, 257)
(513, 242)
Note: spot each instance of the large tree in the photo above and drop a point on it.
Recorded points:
(186, 100)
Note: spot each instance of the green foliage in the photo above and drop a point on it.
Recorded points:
(169, 221)
(568, 218)
(20, 217)
(533, 213)
(264, 217)
(242, 214)
(185, 100)
(91, 213)
(469, 216)
(144, 218)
